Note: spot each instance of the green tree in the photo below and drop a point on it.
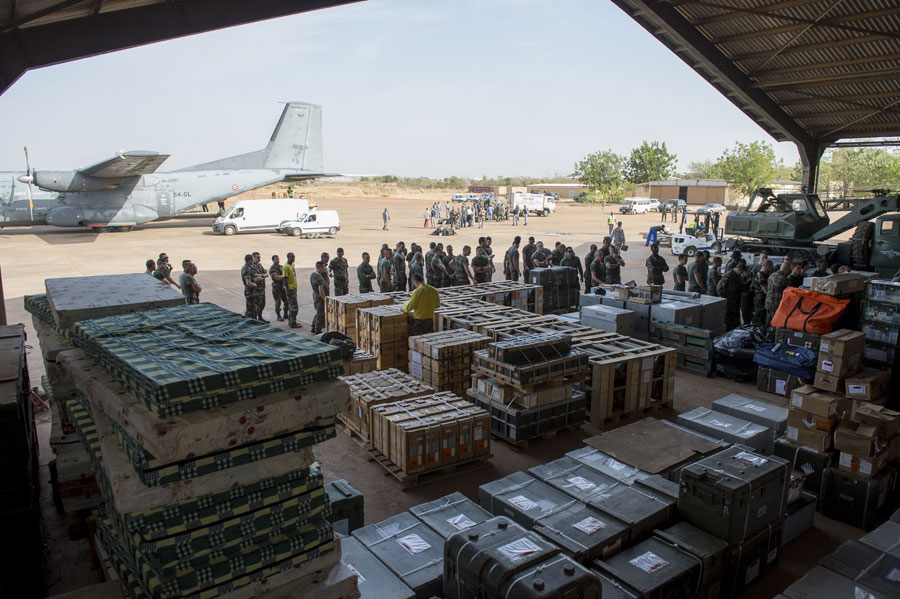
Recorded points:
(602, 173)
(703, 169)
(650, 161)
(749, 166)
(844, 169)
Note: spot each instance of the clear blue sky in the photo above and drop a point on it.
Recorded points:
(469, 88)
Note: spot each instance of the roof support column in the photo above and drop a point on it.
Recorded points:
(810, 157)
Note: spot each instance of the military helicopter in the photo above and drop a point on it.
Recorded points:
(125, 190)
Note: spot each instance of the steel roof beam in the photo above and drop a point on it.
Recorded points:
(817, 46)
(824, 23)
(829, 65)
(831, 81)
(735, 14)
(833, 113)
(845, 99)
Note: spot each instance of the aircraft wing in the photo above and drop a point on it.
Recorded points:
(126, 164)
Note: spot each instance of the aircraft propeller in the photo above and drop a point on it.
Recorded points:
(29, 179)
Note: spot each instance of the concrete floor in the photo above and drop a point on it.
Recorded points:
(29, 256)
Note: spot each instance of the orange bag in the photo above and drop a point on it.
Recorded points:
(808, 311)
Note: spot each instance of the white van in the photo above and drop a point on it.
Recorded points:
(259, 215)
(471, 197)
(636, 206)
(457, 197)
(318, 222)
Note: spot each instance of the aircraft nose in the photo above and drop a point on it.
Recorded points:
(25, 179)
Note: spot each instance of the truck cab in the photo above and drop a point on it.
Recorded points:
(886, 245)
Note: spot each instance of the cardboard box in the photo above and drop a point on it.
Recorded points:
(842, 342)
(779, 383)
(804, 420)
(840, 284)
(885, 420)
(812, 438)
(839, 365)
(868, 384)
(829, 382)
(818, 402)
(857, 438)
(863, 466)
(653, 293)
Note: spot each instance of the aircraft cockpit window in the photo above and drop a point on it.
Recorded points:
(237, 213)
(817, 206)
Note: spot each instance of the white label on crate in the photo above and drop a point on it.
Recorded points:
(519, 550)
(827, 366)
(753, 407)
(389, 530)
(752, 572)
(719, 423)
(523, 503)
(846, 460)
(752, 458)
(894, 575)
(780, 386)
(856, 389)
(865, 467)
(582, 484)
(350, 567)
(824, 347)
(460, 522)
(615, 464)
(649, 562)
(796, 400)
(414, 544)
(589, 525)
(792, 433)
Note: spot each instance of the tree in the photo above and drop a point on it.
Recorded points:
(602, 172)
(704, 169)
(846, 168)
(650, 162)
(749, 166)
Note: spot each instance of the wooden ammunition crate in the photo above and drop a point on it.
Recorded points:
(340, 311)
(444, 359)
(383, 331)
(695, 346)
(518, 425)
(375, 388)
(539, 395)
(626, 382)
(361, 363)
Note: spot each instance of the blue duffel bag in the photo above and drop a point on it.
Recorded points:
(790, 359)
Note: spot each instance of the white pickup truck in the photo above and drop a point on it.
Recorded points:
(536, 203)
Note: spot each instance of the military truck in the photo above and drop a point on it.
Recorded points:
(797, 225)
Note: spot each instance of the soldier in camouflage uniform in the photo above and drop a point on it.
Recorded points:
(759, 293)
(714, 275)
(339, 267)
(279, 295)
(437, 266)
(398, 267)
(259, 277)
(481, 266)
(249, 287)
(463, 276)
(731, 288)
(656, 266)
(449, 272)
(364, 274)
(291, 306)
(384, 271)
(319, 293)
(429, 271)
(775, 286)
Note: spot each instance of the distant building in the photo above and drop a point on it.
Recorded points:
(692, 191)
(563, 190)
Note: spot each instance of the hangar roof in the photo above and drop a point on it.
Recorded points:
(808, 71)
(37, 33)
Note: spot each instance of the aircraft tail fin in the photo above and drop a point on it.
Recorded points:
(295, 145)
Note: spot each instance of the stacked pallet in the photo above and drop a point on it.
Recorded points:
(430, 432)
(383, 331)
(21, 545)
(880, 321)
(526, 382)
(199, 424)
(375, 388)
(360, 363)
(340, 311)
(444, 359)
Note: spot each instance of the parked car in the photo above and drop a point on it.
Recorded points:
(711, 209)
(635, 206)
(319, 222)
(654, 205)
(670, 205)
(472, 197)
(458, 197)
(581, 197)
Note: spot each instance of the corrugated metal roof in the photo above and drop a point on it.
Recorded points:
(805, 70)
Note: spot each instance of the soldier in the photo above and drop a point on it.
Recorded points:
(481, 266)
(416, 265)
(189, 287)
(775, 287)
(410, 260)
(680, 274)
(449, 272)
(291, 306)
(259, 277)
(151, 266)
(438, 269)
(489, 252)
(731, 287)
(249, 287)
(527, 252)
(604, 247)
(598, 269)
(697, 271)
(339, 268)
(398, 267)
(572, 261)
(429, 270)
(163, 271)
(613, 264)
(325, 259)
(821, 269)
(365, 273)
(795, 279)
(384, 271)
(588, 260)
(463, 274)
(735, 258)
(540, 257)
(747, 295)
(663, 211)
(319, 293)
(760, 281)
(385, 217)
(279, 296)
(656, 266)
(511, 260)
(714, 275)
(556, 256)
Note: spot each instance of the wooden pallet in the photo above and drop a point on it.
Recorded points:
(410, 481)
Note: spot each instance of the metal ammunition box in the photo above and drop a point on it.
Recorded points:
(885, 538)
(522, 498)
(450, 514)
(855, 500)
(753, 410)
(798, 517)
(607, 465)
(556, 578)
(641, 509)
(728, 428)
(822, 583)
(807, 461)
(709, 550)
(575, 479)
(374, 580)
(867, 565)
(585, 534)
(750, 559)
(347, 510)
(654, 569)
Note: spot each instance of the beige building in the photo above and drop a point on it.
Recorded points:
(693, 191)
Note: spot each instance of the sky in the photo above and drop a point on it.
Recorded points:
(410, 88)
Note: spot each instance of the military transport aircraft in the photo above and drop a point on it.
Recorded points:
(126, 190)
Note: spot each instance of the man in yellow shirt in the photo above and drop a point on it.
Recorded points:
(424, 300)
(290, 287)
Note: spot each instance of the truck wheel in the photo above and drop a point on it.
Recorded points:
(332, 231)
(296, 232)
(690, 251)
(229, 230)
(861, 243)
(546, 212)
